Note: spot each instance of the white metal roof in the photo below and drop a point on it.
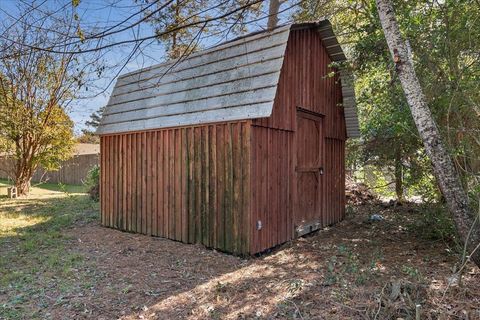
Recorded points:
(233, 81)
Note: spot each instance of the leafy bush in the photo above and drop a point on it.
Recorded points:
(434, 223)
(92, 182)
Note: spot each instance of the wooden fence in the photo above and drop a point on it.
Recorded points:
(72, 171)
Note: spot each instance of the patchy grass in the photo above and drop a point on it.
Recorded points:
(56, 262)
(44, 188)
(34, 255)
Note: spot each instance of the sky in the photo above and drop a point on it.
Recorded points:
(101, 14)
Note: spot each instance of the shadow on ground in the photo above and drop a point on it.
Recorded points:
(357, 269)
(69, 267)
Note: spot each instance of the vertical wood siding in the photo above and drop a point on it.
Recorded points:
(305, 83)
(213, 184)
(189, 184)
(334, 205)
(272, 187)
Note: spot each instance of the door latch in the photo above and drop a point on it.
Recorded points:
(320, 170)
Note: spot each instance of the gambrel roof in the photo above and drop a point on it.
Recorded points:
(233, 81)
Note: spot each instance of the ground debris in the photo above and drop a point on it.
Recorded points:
(352, 270)
(358, 193)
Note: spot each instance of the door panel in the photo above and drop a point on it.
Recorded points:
(309, 172)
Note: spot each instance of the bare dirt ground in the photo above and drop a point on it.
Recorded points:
(57, 262)
(356, 269)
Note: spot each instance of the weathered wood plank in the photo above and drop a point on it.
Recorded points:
(160, 184)
(112, 182)
(166, 179)
(197, 184)
(103, 200)
(139, 193)
(236, 174)
(212, 185)
(177, 213)
(229, 236)
(199, 87)
(204, 186)
(245, 187)
(129, 182)
(181, 105)
(184, 193)
(108, 188)
(149, 183)
(119, 192)
(172, 184)
(276, 213)
(176, 234)
(154, 186)
(124, 182)
(257, 109)
(144, 182)
(134, 184)
(254, 189)
(269, 224)
(220, 160)
(191, 185)
(113, 179)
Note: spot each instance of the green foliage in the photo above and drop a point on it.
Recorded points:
(37, 87)
(412, 272)
(88, 134)
(331, 275)
(353, 155)
(63, 188)
(391, 140)
(445, 40)
(379, 180)
(434, 223)
(48, 133)
(423, 185)
(35, 128)
(92, 182)
(180, 19)
(88, 137)
(56, 141)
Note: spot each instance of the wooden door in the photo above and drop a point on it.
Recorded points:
(309, 171)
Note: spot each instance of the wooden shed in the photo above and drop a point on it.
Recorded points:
(240, 147)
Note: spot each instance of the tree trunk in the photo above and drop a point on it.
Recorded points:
(445, 172)
(399, 176)
(273, 9)
(23, 185)
(24, 170)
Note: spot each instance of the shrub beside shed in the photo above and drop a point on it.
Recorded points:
(240, 147)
